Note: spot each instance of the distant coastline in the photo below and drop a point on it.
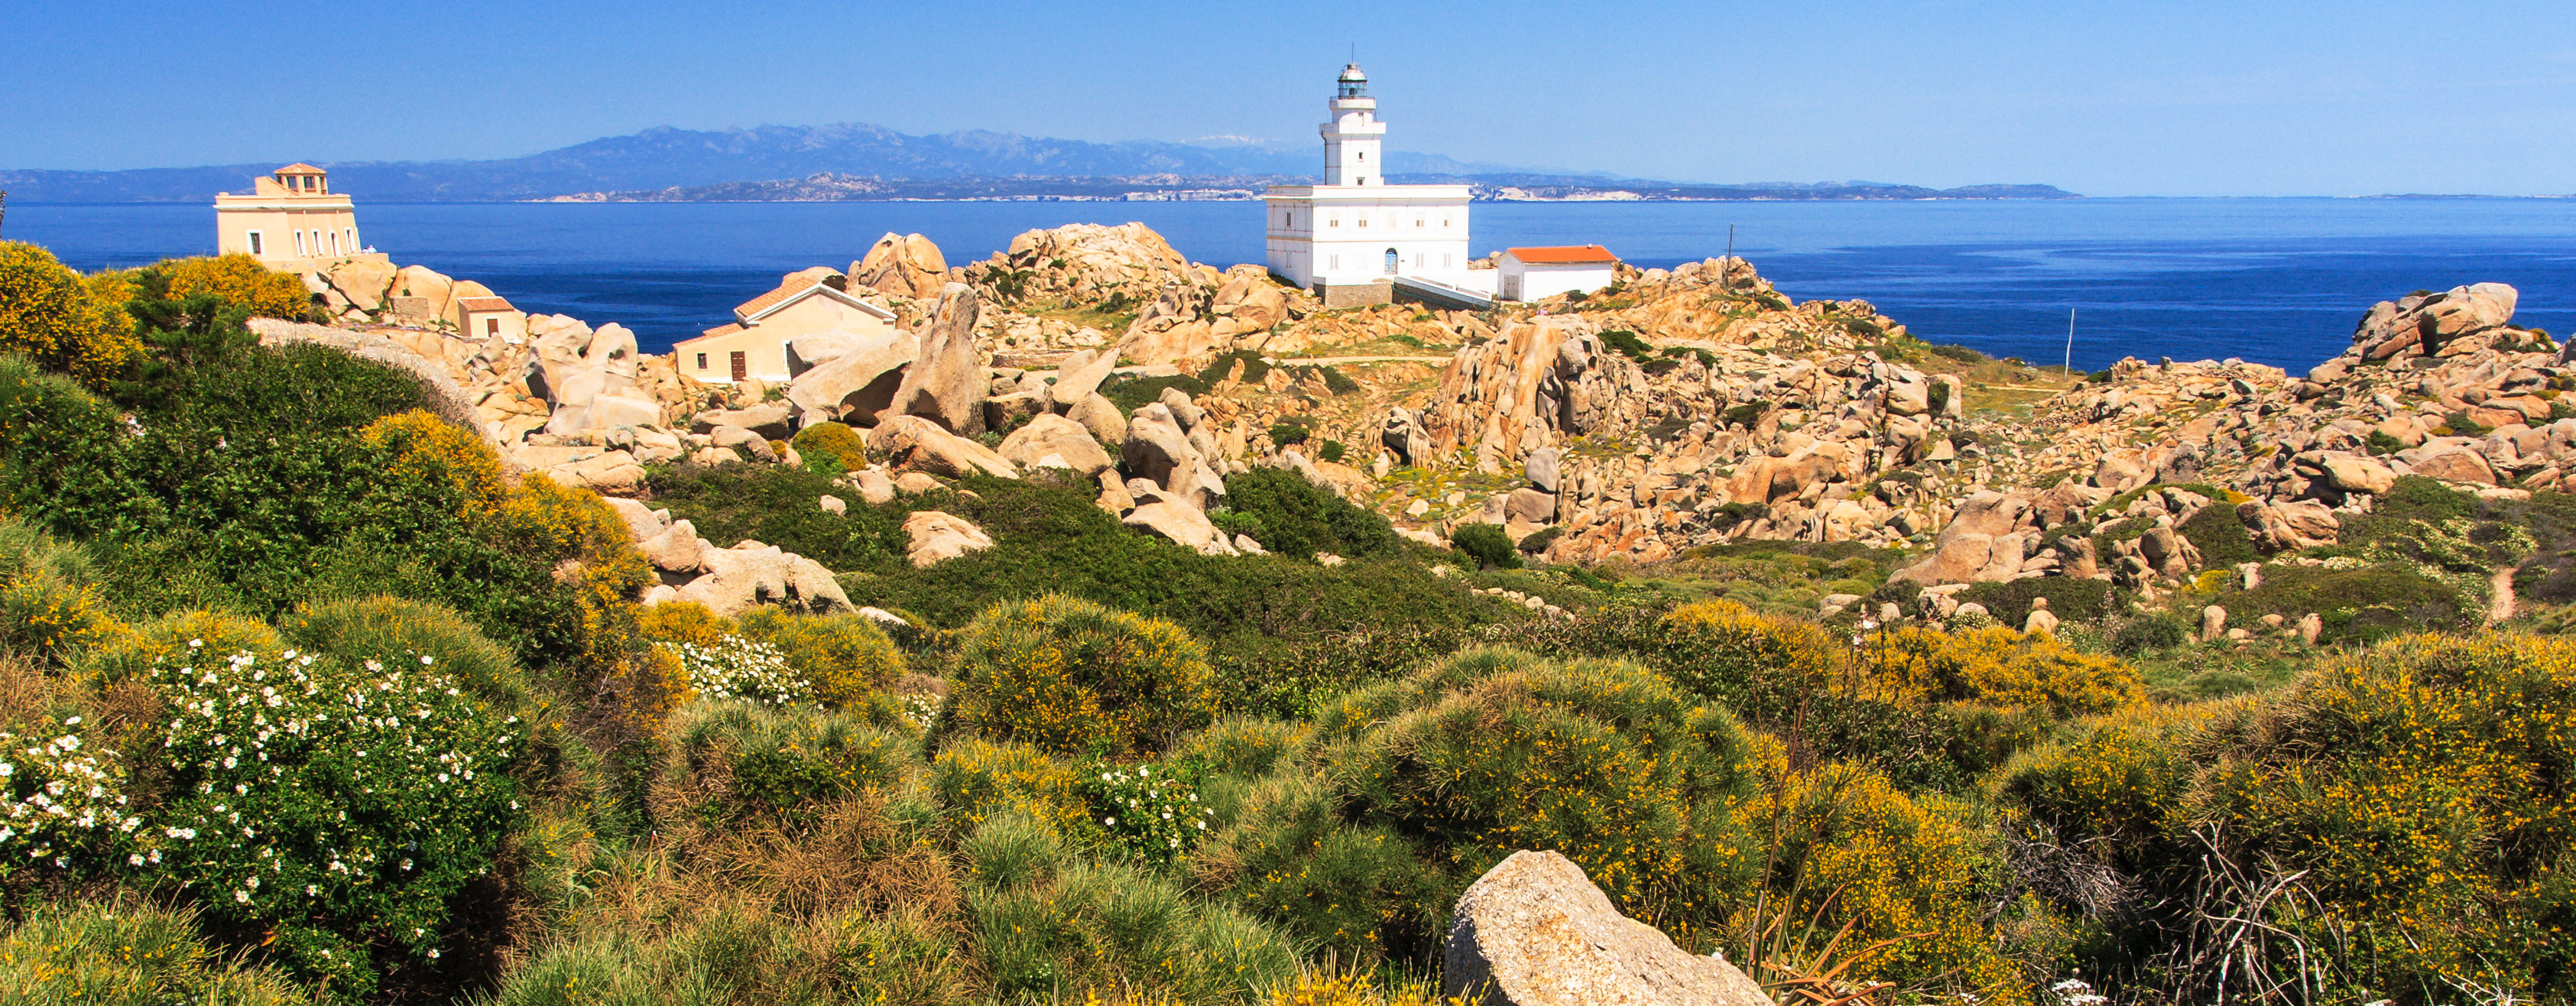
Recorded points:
(833, 187)
(859, 162)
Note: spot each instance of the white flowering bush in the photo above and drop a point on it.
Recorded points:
(1151, 810)
(739, 668)
(340, 807)
(66, 805)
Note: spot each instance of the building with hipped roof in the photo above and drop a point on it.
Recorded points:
(290, 221)
(1536, 273)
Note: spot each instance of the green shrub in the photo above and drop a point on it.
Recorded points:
(1297, 518)
(339, 808)
(1071, 676)
(1628, 345)
(733, 761)
(1130, 392)
(1539, 540)
(1288, 434)
(2222, 540)
(1486, 544)
(728, 951)
(775, 505)
(828, 449)
(1115, 927)
(2356, 605)
(1445, 773)
(2149, 631)
(126, 953)
(1331, 452)
(357, 630)
(1050, 538)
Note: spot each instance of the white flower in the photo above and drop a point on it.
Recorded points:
(241, 896)
(1109, 821)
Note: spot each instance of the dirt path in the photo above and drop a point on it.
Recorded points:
(2500, 601)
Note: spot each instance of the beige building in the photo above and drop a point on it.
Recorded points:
(291, 221)
(490, 318)
(755, 346)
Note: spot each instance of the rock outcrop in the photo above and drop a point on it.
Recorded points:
(906, 265)
(1535, 931)
(946, 383)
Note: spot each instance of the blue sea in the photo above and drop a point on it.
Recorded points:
(2279, 281)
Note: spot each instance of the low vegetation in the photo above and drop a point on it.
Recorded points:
(305, 699)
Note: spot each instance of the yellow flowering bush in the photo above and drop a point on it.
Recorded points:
(128, 953)
(241, 281)
(179, 637)
(1068, 675)
(976, 779)
(1998, 667)
(589, 548)
(50, 314)
(844, 657)
(1757, 663)
(439, 452)
(683, 622)
(2430, 786)
(1845, 845)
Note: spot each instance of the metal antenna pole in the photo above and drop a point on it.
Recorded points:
(2070, 341)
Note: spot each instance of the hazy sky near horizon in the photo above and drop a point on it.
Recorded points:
(2104, 98)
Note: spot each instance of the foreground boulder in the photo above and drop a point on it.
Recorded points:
(1534, 931)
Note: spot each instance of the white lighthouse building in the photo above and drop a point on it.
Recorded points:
(1349, 238)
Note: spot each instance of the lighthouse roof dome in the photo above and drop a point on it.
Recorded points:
(1352, 73)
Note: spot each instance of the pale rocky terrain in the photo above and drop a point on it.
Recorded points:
(1679, 409)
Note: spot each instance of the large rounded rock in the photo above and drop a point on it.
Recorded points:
(751, 574)
(857, 383)
(1051, 441)
(914, 444)
(907, 265)
(1534, 931)
(937, 536)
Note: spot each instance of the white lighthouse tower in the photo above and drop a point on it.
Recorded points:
(1349, 238)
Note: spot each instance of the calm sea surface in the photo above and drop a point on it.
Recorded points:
(2279, 281)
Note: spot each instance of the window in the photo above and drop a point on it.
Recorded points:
(353, 239)
(254, 243)
(335, 244)
(1363, 155)
(299, 244)
(1449, 261)
(1334, 222)
(1417, 222)
(702, 361)
(1336, 262)
(1363, 221)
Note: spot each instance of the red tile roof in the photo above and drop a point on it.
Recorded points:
(792, 287)
(300, 168)
(485, 304)
(1563, 254)
(719, 330)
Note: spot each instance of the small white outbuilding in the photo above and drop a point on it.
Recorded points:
(1538, 273)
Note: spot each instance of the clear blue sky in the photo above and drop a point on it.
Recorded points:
(2105, 98)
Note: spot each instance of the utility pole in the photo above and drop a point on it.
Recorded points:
(2070, 342)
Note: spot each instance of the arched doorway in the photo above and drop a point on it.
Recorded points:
(1391, 259)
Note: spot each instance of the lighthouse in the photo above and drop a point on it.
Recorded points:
(1351, 237)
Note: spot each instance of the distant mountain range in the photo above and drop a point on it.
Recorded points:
(860, 161)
